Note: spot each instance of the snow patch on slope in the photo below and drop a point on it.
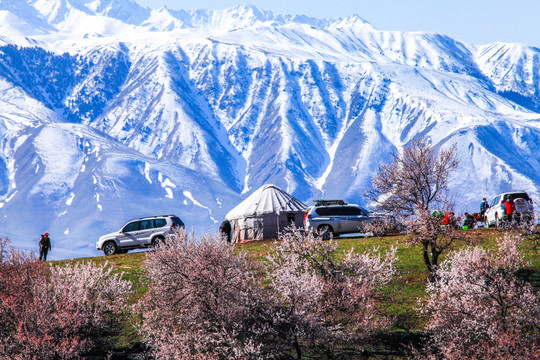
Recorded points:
(61, 160)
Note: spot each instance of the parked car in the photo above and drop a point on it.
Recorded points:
(335, 217)
(140, 233)
(496, 213)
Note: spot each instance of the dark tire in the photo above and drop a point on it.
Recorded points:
(157, 241)
(326, 232)
(110, 248)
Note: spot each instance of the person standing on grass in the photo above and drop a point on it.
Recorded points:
(483, 207)
(44, 246)
(510, 208)
(225, 229)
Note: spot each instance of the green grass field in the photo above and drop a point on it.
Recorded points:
(399, 299)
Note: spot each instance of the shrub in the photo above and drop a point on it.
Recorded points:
(204, 302)
(327, 300)
(208, 302)
(480, 310)
(61, 312)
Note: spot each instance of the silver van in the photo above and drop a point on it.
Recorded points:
(140, 233)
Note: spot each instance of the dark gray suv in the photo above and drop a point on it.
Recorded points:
(140, 233)
(336, 217)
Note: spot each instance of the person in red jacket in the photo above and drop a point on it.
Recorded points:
(449, 219)
(510, 208)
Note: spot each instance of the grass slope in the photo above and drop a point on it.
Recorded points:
(399, 299)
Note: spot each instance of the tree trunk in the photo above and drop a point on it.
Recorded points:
(297, 349)
(434, 259)
(431, 263)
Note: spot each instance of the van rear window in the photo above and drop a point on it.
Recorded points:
(520, 195)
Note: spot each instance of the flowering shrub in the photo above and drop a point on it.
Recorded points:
(327, 300)
(60, 312)
(480, 310)
(205, 302)
(208, 302)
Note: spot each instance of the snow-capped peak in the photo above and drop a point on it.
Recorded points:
(56, 11)
(163, 19)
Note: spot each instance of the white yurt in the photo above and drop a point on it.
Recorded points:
(265, 213)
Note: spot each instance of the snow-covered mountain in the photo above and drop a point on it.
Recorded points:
(110, 111)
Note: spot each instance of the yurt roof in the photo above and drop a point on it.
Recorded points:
(268, 199)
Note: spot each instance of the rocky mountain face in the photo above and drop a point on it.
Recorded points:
(110, 111)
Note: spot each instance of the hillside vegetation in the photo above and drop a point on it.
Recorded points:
(400, 299)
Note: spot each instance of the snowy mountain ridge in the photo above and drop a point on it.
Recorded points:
(111, 111)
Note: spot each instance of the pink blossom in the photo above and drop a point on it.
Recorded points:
(479, 309)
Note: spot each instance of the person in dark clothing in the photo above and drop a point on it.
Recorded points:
(483, 208)
(44, 246)
(225, 229)
(469, 221)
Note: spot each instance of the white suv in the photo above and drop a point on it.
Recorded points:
(335, 217)
(497, 209)
(139, 233)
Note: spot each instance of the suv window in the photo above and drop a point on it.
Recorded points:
(133, 226)
(351, 210)
(323, 211)
(160, 223)
(519, 195)
(177, 222)
(146, 224)
(339, 211)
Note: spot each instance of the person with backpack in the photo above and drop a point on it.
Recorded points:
(44, 246)
(483, 208)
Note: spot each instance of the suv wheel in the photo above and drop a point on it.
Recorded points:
(110, 248)
(498, 221)
(157, 241)
(326, 232)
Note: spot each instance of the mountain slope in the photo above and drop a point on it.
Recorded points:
(110, 111)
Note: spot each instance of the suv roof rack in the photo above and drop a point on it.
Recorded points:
(154, 216)
(329, 202)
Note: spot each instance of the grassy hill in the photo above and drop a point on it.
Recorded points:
(399, 299)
